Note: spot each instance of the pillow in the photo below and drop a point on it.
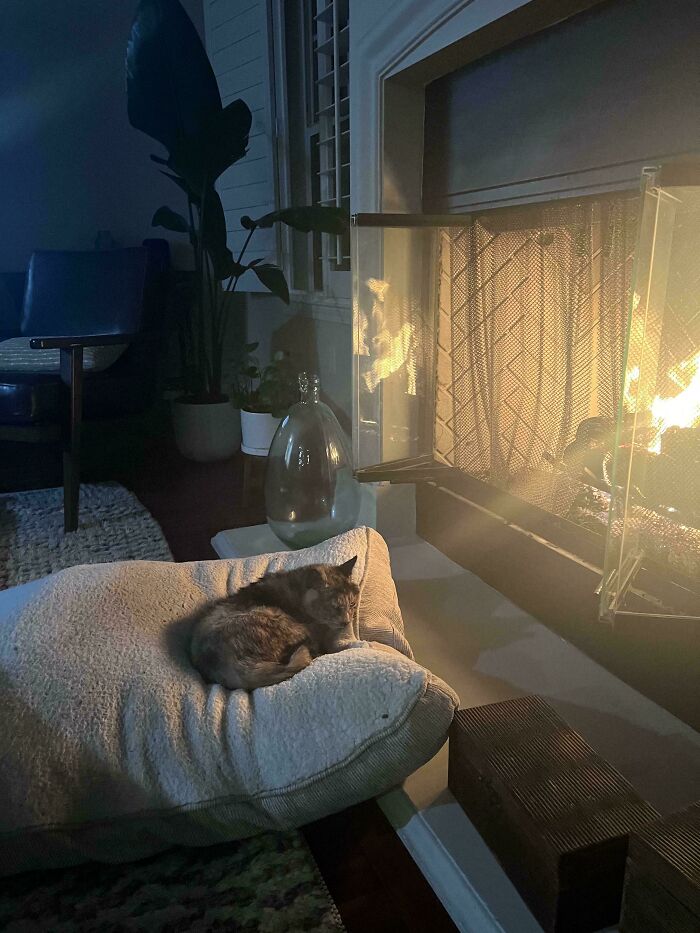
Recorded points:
(16, 356)
(112, 747)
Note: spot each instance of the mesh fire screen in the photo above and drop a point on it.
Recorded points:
(530, 345)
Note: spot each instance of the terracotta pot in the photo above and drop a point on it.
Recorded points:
(207, 432)
(257, 430)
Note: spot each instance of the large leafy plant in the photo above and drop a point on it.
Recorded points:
(173, 97)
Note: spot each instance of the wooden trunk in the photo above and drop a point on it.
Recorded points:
(662, 882)
(555, 814)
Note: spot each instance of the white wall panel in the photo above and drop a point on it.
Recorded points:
(239, 46)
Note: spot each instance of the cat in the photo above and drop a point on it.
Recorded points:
(273, 628)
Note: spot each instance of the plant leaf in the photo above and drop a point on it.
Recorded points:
(225, 138)
(187, 161)
(213, 231)
(228, 268)
(165, 217)
(317, 218)
(171, 88)
(273, 279)
(181, 183)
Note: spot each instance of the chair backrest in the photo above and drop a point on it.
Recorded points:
(70, 294)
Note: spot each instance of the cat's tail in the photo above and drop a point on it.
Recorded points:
(267, 673)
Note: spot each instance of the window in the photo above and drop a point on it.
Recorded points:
(312, 76)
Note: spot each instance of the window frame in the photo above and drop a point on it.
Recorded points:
(336, 285)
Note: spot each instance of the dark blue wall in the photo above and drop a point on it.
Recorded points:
(70, 163)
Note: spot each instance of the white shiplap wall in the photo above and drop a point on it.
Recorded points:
(238, 42)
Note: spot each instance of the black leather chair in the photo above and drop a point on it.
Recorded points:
(74, 302)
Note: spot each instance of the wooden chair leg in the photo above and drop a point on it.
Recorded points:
(72, 377)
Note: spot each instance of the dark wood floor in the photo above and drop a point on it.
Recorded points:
(369, 873)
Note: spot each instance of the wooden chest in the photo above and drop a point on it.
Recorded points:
(662, 882)
(555, 814)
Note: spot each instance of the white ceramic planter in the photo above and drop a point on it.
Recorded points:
(257, 432)
(206, 432)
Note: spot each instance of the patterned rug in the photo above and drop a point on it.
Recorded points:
(113, 526)
(266, 884)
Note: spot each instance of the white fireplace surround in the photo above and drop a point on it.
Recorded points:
(388, 38)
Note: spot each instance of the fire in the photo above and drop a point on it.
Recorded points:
(630, 398)
(681, 410)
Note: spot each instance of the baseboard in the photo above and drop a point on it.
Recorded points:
(461, 901)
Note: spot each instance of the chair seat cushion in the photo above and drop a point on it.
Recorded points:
(16, 356)
(112, 746)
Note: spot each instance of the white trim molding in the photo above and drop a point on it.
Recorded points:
(386, 37)
(459, 898)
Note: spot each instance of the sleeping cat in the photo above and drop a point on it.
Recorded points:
(273, 628)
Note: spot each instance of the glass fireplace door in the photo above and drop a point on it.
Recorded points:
(398, 265)
(654, 524)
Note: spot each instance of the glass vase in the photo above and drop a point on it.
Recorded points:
(310, 491)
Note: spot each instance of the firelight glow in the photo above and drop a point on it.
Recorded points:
(682, 410)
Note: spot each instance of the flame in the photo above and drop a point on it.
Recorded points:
(629, 395)
(681, 410)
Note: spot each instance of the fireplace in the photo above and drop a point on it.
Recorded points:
(546, 359)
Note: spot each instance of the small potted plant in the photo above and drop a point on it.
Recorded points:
(264, 395)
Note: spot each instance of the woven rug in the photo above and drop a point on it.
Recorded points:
(267, 884)
(113, 526)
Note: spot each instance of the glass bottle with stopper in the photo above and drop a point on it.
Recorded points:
(310, 491)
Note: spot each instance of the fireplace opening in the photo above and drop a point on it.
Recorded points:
(530, 344)
(551, 353)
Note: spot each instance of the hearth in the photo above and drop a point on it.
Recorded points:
(550, 355)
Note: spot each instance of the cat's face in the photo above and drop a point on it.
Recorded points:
(331, 596)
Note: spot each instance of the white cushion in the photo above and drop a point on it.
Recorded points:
(112, 747)
(16, 356)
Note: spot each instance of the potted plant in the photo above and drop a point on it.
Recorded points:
(264, 395)
(173, 97)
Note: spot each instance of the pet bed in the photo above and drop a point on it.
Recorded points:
(113, 748)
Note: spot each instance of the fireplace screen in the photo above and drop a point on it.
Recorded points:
(493, 345)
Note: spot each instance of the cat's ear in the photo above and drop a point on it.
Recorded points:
(347, 567)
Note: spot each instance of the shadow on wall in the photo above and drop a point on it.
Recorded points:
(70, 162)
(300, 336)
